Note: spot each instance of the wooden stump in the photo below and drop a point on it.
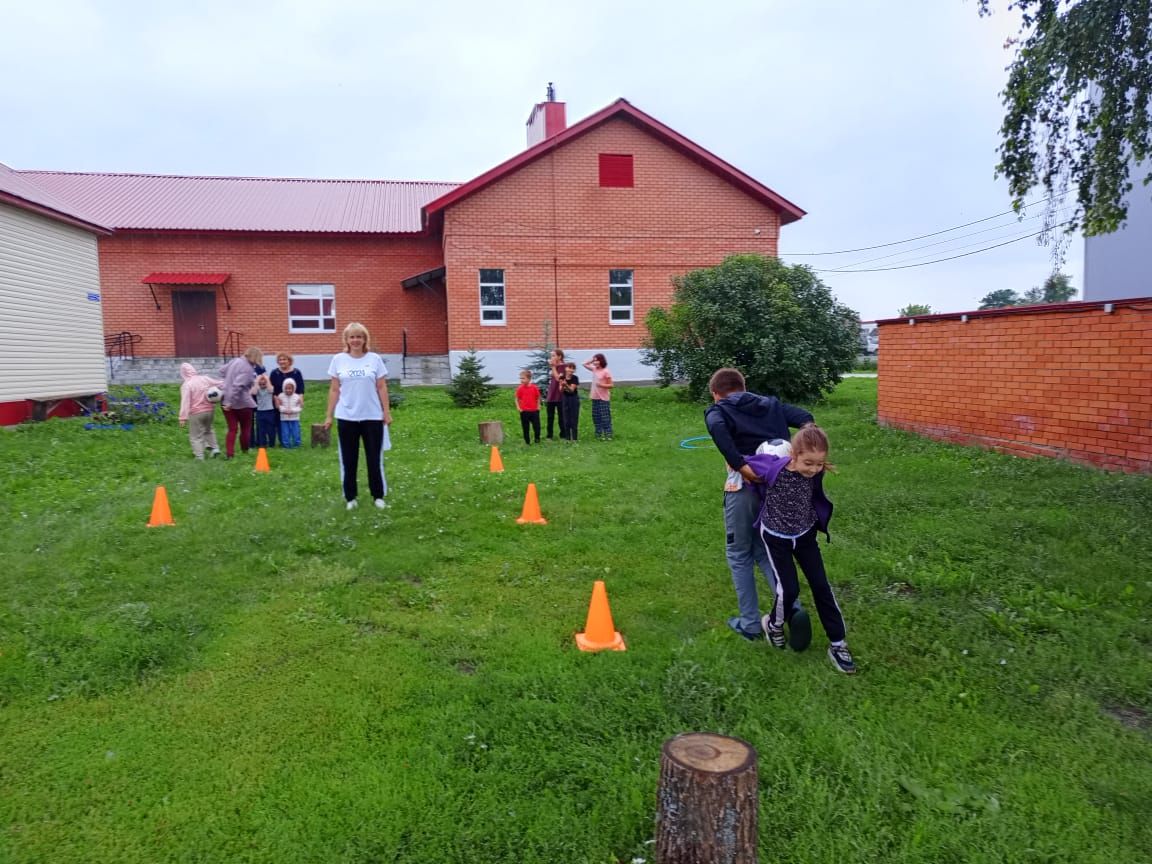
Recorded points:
(492, 432)
(321, 437)
(707, 803)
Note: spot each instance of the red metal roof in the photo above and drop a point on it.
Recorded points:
(26, 194)
(185, 278)
(1074, 306)
(174, 203)
(788, 211)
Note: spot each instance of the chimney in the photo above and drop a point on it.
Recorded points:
(547, 119)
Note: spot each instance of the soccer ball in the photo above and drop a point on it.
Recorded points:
(214, 394)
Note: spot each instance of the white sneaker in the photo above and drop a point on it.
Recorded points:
(351, 505)
(380, 503)
(215, 453)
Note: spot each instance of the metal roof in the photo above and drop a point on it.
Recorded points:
(27, 194)
(185, 278)
(176, 203)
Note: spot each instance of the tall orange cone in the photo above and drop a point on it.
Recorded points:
(161, 515)
(599, 632)
(495, 463)
(531, 511)
(262, 461)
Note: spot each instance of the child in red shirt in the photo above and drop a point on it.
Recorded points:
(528, 403)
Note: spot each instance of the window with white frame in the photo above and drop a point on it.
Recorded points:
(619, 296)
(311, 309)
(492, 297)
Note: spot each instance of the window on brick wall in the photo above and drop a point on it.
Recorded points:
(616, 170)
(492, 297)
(620, 296)
(311, 309)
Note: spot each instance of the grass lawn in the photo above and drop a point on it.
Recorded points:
(277, 680)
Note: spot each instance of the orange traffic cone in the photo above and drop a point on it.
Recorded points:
(161, 515)
(599, 632)
(262, 461)
(531, 512)
(495, 463)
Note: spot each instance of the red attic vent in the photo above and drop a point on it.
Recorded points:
(616, 170)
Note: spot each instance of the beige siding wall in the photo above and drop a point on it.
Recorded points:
(51, 334)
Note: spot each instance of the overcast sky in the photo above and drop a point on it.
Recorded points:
(878, 117)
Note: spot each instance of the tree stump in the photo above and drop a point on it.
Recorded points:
(321, 437)
(707, 804)
(491, 432)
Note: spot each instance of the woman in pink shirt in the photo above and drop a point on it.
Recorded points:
(600, 396)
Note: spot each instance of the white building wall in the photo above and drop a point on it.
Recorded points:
(1119, 265)
(51, 324)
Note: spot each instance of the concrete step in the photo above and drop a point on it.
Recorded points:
(157, 370)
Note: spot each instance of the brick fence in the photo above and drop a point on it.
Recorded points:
(1070, 381)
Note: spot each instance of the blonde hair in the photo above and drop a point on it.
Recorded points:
(356, 327)
(254, 355)
(285, 355)
(810, 438)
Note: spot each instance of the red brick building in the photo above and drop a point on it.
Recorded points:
(585, 229)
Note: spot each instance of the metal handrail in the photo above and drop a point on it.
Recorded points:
(122, 344)
(404, 351)
(232, 344)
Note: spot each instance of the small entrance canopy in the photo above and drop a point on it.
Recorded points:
(187, 279)
(423, 279)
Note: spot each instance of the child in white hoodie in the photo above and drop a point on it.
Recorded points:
(198, 411)
(291, 404)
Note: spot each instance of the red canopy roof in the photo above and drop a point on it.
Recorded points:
(185, 278)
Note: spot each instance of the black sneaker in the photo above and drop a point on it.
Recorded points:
(841, 658)
(799, 630)
(734, 624)
(774, 635)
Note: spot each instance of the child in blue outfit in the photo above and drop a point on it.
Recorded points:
(795, 508)
(265, 412)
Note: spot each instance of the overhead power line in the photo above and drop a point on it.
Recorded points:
(951, 257)
(910, 239)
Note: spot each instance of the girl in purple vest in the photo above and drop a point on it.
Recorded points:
(795, 508)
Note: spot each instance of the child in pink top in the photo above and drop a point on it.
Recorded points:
(601, 394)
(198, 411)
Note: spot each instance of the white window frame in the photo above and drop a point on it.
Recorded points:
(320, 291)
(631, 286)
(502, 308)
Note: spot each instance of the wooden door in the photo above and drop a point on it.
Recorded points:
(194, 323)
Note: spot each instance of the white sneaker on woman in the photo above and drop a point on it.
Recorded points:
(351, 505)
(380, 504)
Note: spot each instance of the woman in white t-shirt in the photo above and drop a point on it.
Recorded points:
(358, 400)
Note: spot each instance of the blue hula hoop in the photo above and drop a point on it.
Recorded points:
(687, 444)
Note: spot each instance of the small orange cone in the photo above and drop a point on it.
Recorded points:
(531, 512)
(495, 463)
(599, 632)
(262, 461)
(161, 515)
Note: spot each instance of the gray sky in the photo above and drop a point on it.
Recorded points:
(878, 117)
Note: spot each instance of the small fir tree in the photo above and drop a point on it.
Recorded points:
(470, 387)
(541, 362)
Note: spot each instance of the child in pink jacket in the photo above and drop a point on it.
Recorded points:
(198, 411)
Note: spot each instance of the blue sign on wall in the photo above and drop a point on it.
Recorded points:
(93, 296)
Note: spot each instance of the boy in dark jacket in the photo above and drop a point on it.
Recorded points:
(739, 422)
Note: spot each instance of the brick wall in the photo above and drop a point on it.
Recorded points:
(1071, 381)
(556, 234)
(366, 272)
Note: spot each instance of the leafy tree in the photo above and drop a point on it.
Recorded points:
(470, 387)
(1057, 288)
(778, 324)
(1077, 104)
(1000, 299)
(914, 309)
(541, 356)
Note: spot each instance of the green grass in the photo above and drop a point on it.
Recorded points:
(277, 680)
